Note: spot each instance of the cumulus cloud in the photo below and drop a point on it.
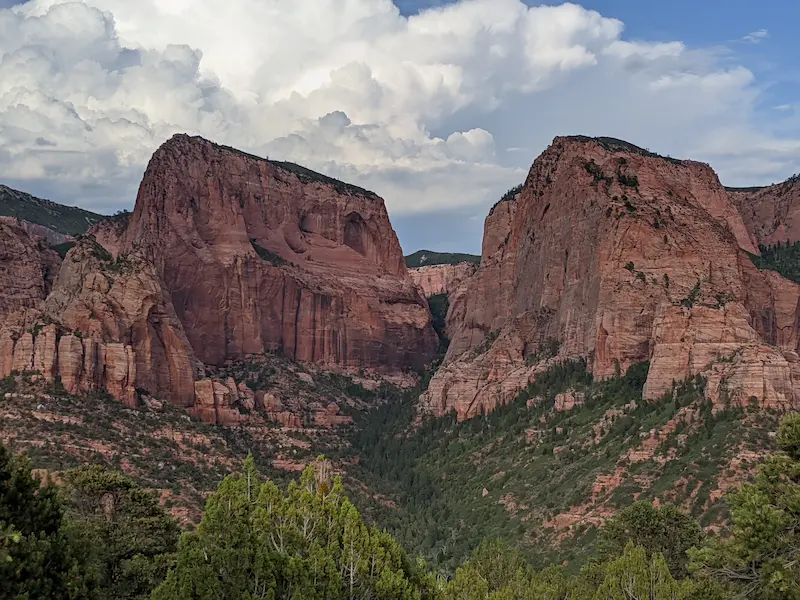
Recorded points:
(412, 107)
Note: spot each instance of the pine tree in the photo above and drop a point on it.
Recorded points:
(35, 557)
(127, 541)
(760, 558)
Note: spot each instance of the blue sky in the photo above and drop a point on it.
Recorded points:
(771, 54)
(439, 116)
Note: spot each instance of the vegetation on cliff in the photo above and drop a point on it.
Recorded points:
(783, 258)
(545, 470)
(99, 536)
(69, 220)
(426, 258)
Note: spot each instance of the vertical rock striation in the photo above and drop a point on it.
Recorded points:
(258, 255)
(618, 255)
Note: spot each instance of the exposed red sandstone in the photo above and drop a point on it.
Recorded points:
(441, 279)
(772, 213)
(254, 255)
(108, 233)
(213, 220)
(27, 268)
(38, 232)
(620, 270)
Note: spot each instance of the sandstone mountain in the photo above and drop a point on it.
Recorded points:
(225, 255)
(771, 213)
(617, 255)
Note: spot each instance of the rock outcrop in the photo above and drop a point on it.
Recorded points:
(258, 255)
(38, 232)
(441, 279)
(771, 213)
(619, 255)
(108, 232)
(27, 268)
(105, 325)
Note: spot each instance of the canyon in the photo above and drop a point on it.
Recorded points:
(621, 321)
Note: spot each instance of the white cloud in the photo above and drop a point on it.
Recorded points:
(754, 37)
(413, 108)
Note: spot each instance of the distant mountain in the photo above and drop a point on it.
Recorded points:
(68, 220)
(425, 258)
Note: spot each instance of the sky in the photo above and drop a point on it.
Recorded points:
(438, 106)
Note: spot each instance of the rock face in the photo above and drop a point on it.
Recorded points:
(108, 232)
(257, 255)
(441, 279)
(619, 255)
(225, 255)
(105, 325)
(27, 268)
(772, 213)
(38, 232)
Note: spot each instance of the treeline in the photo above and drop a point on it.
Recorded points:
(781, 257)
(96, 535)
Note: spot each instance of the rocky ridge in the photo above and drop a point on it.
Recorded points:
(289, 261)
(619, 256)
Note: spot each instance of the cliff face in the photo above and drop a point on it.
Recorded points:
(772, 213)
(441, 279)
(27, 268)
(261, 255)
(105, 325)
(606, 253)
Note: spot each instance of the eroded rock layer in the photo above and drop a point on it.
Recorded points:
(441, 279)
(257, 255)
(27, 268)
(771, 213)
(619, 256)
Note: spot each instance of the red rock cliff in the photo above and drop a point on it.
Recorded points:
(772, 213)
(257, 255)
(106, 324)
(27, 268)
(610, 250)
(441, 279)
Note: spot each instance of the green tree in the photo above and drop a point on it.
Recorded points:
(35, 557)
(256, 541)
(639, 575)
(665, 530)
(761, 556)
(127, 541)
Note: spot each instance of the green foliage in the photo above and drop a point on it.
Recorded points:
(665, 530)
(62, 249)
(627, 180)
(68, 220)
(617, 145)
(783, 258)
(509, 195)
(637, 574)
(760, 558)
(547, 350)
(693, 296)
(256, 541)
(439, 305)
(597, 173)
(35, 556)
(126, 540)
(425, 258)
(268, 256)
